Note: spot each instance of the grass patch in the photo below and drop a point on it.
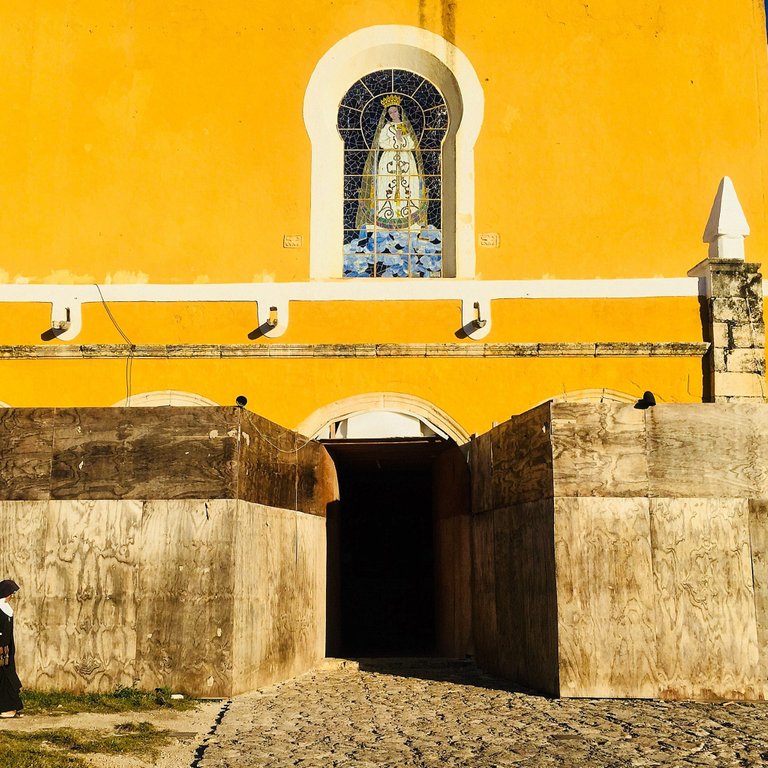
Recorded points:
(122, 700)
(54, 747)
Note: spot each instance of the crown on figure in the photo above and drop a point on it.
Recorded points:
(391, 101)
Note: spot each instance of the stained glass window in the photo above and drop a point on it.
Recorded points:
(393, 123)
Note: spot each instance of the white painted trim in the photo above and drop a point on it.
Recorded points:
(367, 50)
(66, 300)
(594, 395)
(396, 402)
(163, 397)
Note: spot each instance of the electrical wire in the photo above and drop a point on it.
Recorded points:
(277, 447)
(129, 373)
(131, 347)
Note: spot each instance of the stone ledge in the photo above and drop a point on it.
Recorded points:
(335, 351)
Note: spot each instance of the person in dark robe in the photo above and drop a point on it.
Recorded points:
(10, 685)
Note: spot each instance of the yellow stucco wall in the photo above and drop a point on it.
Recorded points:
(165, 142)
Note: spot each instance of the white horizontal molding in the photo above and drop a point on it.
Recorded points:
(273, 299)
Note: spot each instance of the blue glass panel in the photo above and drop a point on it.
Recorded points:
(379, 82)
(433, 187)
(357, 96)
(434, 216)
(350, 214)
(348, 118)
(431, 162)
(352, 187)
(370, 119)
(403, 240)
(432, 139)
(353, 140)
(406, 82)
(428, 96)
(415, 115)
(437, 117)
(354, 162)
(352, 237)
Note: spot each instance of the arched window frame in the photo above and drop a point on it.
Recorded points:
(440, 62)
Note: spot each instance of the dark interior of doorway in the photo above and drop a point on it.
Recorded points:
(381, 550)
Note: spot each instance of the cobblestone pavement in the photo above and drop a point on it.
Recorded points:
(389, 715)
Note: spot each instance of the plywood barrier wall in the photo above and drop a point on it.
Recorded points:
(659, 531)
(514, 599)
(211, 595)
(453, 592)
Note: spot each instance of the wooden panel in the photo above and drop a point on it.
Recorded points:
(144, 453)
(185, 585)
(526, 600)
(317, 483)
(307, 598)
(26, 437)
(280, 594)
(161, 453)
(480, 470)
(708, 450)
(598, 450)
(705, 611)
(606, 620)
(758, 535)
(22, 536)
(281, 468)
(87, 618)
(484, 631)
(268, 463)
(450, 498)
(521, 458)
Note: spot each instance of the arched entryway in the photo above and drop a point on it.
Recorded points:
(398, 539)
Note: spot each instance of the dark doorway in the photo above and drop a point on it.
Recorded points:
(381, 550)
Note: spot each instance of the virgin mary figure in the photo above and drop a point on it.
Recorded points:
(393, 194)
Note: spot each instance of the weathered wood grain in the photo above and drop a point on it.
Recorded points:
(705, 603)
(758, 536)
(317, 482)
(599, 450)
(526, 597)
(185, 596)
(521, 458)
(22, 531)
(86, 638)
(453, 599)
(484, 626)
(480, 471)
(605, 605)
(281, 468)
(26, 438)
(279, 611)
(708, 450)
(144, 453)
(267, 463)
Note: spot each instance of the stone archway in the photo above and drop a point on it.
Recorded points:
(397, 539)
(384, 402)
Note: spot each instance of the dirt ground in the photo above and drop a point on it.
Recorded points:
(188, 729)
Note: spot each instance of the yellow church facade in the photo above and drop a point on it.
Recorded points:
(176, 193)
(501, 260)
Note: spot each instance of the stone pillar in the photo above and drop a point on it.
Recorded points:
(731, 293)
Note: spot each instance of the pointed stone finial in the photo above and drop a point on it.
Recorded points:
(727, 226)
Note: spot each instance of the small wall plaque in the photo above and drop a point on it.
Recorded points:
(490, 240)
(292, 241)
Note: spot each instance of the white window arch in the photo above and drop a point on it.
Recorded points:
(432, 57)
(164, 397)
